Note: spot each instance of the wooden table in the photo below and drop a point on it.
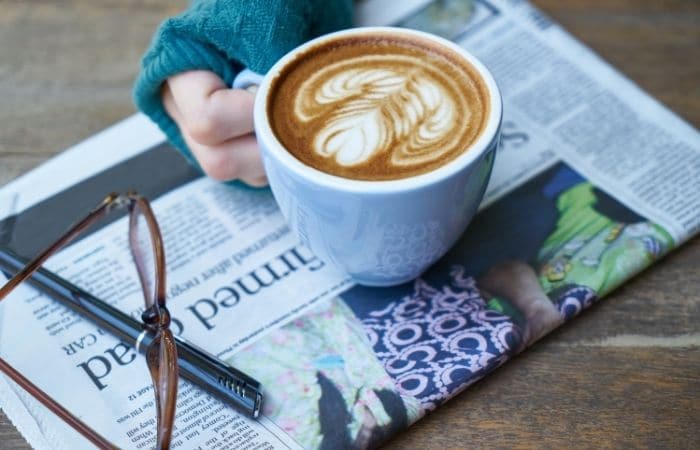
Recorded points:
(624, 374)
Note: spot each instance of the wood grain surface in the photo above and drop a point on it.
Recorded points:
(624, 374)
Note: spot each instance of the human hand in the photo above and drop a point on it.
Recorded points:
(216, 122)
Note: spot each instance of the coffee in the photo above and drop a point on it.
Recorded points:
(378, 107)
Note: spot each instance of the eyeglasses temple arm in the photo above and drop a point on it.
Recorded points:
(55, 407)
(93, 216)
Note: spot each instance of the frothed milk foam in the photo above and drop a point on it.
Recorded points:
(379, 107)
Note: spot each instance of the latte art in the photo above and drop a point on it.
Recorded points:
(377, 108)
(373, 105)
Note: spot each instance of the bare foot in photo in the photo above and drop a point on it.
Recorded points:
(517, 282)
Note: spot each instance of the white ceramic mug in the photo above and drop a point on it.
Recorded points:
(381, 233)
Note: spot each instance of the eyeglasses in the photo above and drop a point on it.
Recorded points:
(146, 245)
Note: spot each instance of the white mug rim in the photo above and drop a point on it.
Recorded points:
(275, 149)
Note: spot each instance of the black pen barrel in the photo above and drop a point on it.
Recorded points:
(222, 381)
(101, 313)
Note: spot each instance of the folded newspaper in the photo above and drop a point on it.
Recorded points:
(593, 182)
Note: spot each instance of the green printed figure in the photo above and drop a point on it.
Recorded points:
(591, 245)
(592, 250)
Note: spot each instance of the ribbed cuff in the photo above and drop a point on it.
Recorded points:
(163, 61)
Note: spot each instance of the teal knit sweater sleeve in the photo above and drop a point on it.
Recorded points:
(225, 36)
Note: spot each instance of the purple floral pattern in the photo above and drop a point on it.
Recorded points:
(437, 341)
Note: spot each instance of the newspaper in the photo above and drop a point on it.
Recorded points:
(593, 182)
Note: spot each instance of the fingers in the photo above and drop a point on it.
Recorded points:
(210, 111)
(169, 104)
(236, 158)
(217, 125)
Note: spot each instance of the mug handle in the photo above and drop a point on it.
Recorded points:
(248, 80)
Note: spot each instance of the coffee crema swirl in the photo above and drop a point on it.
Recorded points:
(378, 108)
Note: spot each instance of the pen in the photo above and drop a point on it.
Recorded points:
(224, 382)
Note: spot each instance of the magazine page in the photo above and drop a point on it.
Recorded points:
(569, 215)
